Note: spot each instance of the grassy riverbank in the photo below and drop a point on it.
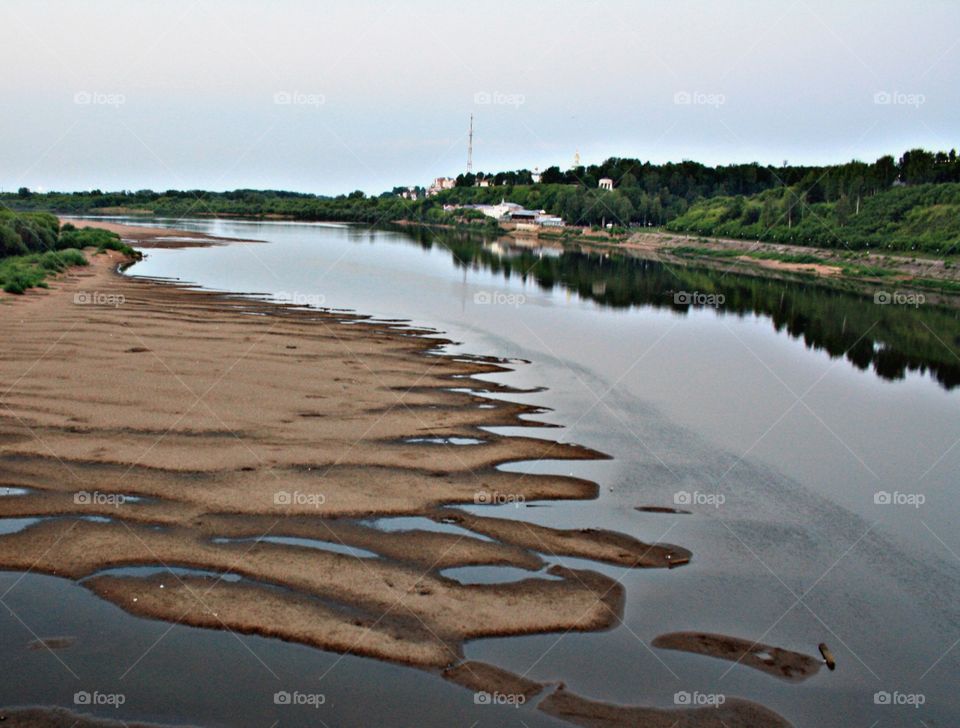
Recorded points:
(34, 246)
(919, 219)
(20, 272)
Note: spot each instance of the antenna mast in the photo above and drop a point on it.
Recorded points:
(470, 148)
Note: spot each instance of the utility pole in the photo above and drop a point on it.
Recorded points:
(470, 148)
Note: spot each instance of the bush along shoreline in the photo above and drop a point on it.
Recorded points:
(34, 246)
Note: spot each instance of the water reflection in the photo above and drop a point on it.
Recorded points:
(890, 339)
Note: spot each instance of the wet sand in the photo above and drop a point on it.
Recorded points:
(59, 718)
(784, 664)
(733, 713)
(183, 420)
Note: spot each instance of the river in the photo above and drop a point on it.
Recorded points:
(813, 434)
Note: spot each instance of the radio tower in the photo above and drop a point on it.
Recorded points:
(470, 148)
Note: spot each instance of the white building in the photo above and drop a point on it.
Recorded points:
(545, 220)
(440, 184)
(511, 211)
(497, 212)
(606, 184)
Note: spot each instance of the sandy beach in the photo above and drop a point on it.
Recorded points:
(152, 424)
(144, 236)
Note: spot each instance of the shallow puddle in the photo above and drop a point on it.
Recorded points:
(15, 525)
(6, 490)
(144, 572)
(337, 548)
(420, 523)
(494, 574)
(446, 440)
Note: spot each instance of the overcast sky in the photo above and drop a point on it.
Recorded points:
(333, 96)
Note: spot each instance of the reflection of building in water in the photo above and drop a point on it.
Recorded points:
(549, 252)
(598, 288)
(522, 246)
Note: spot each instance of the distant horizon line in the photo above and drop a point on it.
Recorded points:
(786, 163)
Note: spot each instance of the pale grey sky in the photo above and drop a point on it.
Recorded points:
(333, 96)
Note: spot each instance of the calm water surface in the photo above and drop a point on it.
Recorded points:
(779, 418)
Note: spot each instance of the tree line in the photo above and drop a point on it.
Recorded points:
(654, 194)
(924, 218)
(682, 195)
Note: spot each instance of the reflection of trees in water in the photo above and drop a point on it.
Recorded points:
(891, 339)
